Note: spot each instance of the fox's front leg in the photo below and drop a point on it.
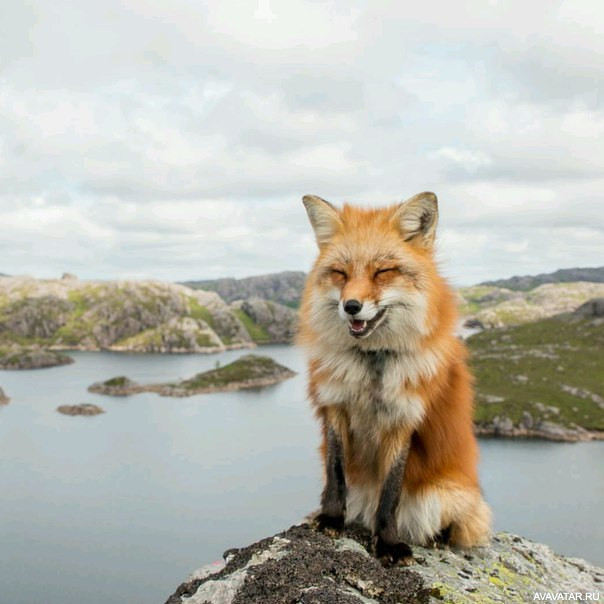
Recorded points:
(387, 546)
(333, 499)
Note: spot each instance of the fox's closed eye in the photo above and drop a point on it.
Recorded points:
(385, 270)
(335, 271)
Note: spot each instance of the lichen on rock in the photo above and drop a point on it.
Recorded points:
(304, 566)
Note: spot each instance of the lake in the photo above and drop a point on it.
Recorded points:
(120, 507)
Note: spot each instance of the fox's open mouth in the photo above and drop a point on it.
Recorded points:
(359, 329)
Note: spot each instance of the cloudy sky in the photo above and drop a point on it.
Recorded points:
(174, 140)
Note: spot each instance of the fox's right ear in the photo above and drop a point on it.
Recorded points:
(323, 217)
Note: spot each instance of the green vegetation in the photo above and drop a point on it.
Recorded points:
(198, 311)
(121, 380)
(257, 332)
(248, 367)
(552, 368)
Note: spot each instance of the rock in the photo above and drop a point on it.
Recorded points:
(117, 386)
(4, 400)
(82, 409)
(31, 358)
(503, 425)
(473, 323)
(304, 566)
(591, 308)
(272, 322)
(527, 420)
(249, 371)
(284, 288)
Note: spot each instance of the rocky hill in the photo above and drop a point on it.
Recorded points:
(285, 287)
(141, 316)
(563, 275)
(497, 307)
(304, 566)
(543, 379)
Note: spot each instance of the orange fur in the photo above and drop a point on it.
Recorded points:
(425, 392)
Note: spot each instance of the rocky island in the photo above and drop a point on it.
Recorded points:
(542, 379)
(86, 409)
(15, 357)
(304, 566)
(249, 371)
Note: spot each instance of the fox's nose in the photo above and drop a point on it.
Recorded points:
(352, 307)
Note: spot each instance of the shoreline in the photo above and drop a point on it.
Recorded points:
(562, 434)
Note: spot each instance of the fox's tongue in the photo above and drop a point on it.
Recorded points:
(357, 325)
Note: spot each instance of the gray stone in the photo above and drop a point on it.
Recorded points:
(303, 566)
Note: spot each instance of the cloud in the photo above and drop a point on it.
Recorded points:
(175, 141)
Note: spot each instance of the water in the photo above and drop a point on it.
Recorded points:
(120, 507)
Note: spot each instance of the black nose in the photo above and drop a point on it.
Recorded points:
(352, 307)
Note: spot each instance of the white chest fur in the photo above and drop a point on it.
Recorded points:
(376, 387)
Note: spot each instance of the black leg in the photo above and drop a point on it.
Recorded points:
(386, 542)
(443, 537)
(333, 498)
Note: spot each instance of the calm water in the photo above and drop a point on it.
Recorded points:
(119, 508)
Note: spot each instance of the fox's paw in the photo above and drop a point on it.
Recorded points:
(332, 526)
(392, 554)
(442, 539)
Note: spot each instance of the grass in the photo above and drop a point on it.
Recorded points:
(257, 332)
(245, 368)
(529, 365)
(198, 311)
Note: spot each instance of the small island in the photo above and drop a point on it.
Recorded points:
(4, 400)
(83, 409)
(15, 357)
(249, 371)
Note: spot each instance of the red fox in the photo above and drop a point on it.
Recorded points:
(389, 382)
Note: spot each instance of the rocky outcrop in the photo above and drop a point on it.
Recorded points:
(136, 316)
(83, 409)
(593, 308)
(270, 321)
(31, 358)
(527, 427)
(564, 275)
(303, 566)
(249, 371)
(496, 307)
(4, 400)
(285, 287)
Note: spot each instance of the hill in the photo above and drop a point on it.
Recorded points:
(285, 287)
(544, 378)
(563, 275)
(139, 316)
(497, 307)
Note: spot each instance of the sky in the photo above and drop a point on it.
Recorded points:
(175, 140)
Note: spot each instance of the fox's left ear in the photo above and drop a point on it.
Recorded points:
(417, 218)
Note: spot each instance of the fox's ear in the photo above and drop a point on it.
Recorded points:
(417, 218)
(323, 217)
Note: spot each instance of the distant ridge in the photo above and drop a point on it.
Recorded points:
(284, 287)
(563, 275)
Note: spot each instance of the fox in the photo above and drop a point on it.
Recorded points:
(389, 382)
